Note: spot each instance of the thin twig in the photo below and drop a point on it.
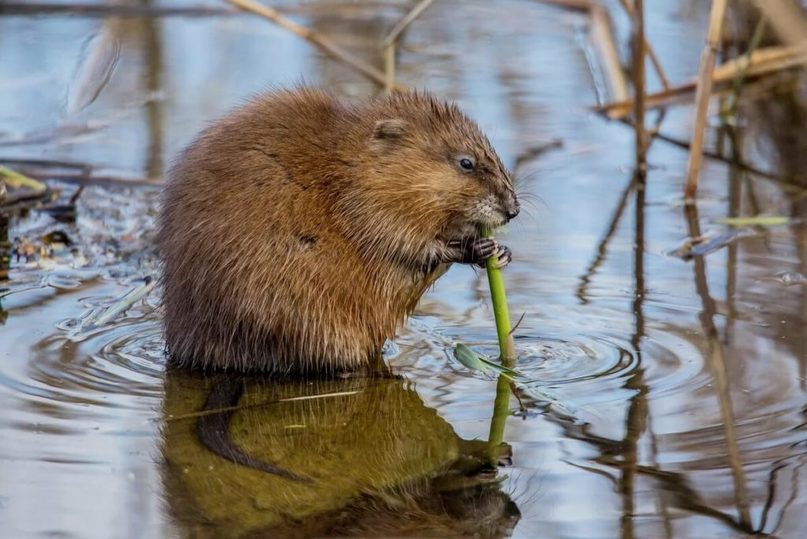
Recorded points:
(603, 35)
(321, 42)
(76, 194)
(651, 52)
(389, 42)
(389, 67)
(520, 319)
(654, 59)
(703, 94)
(405, 21)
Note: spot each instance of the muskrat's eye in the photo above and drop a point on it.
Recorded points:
(466, 163)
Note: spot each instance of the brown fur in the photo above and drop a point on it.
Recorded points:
(299, 231)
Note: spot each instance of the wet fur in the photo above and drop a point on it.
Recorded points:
(299, 231)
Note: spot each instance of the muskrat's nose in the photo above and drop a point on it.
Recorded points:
(513, 210)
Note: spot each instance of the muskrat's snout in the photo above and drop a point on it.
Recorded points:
(495, 209)
(511, 207)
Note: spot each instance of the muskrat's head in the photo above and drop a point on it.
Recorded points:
(439, 167)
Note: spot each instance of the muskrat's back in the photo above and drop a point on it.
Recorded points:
(297, 232)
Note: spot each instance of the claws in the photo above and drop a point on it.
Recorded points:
(479, 251)
(503, 256)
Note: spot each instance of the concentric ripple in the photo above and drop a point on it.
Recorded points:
(586, 359)
(78, 371)
(123, 360)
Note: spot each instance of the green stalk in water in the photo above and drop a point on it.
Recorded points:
(507, 350)
(501, 313)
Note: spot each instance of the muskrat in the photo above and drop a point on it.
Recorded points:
(298, 231)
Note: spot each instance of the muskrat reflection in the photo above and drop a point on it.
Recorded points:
(378, 461)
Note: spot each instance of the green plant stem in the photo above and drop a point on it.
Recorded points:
(500, 311)
(508, 356)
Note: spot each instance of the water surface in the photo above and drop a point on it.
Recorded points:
(684, 378)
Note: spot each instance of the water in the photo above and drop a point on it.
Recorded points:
(684, 380)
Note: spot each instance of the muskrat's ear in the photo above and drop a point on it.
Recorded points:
(391, 129)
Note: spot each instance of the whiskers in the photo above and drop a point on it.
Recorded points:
(531, 204)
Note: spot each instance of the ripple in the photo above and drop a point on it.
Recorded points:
(587, 358)
(123, 360)
(76, 373)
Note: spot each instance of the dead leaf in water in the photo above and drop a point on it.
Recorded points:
(709, 243)
(789, 278)
(97, 63)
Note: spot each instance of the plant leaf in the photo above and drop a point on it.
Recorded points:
(759, 220)
(471, 359)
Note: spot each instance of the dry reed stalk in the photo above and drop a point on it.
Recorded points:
(760, 62)
(654, 60)
(702, 95)
(788, 20)
(651, 52)
(321, 42)
(405, 21)
(603, 36)
(389, 67)
(639, 47)
(388, 43)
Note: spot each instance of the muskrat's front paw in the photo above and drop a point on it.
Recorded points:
(473, 252)
(503, 256)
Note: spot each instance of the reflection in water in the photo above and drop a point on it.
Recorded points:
(602, 246)
(716, 359)
(637, 415)
(379, 463)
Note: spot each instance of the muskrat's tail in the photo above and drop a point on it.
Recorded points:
(213, 428)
